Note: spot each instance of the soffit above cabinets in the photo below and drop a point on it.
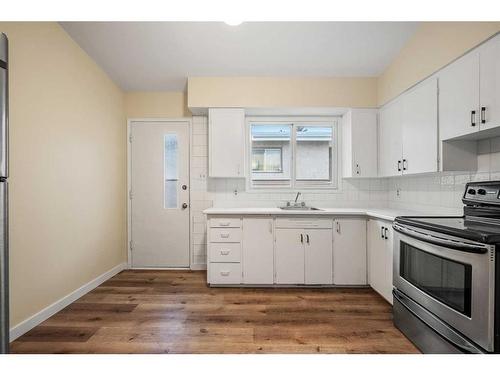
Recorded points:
(158, 56)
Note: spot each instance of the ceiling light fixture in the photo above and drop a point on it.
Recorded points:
(233, 22)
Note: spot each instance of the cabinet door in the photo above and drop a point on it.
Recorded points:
(376, 255)
(318, 256)
(489, 56)
(420, 128)
(389, 266)
(349, 252)
(459, 97)
(258, 257)
(226, 142)
(289, 256)
(390, 139)
(364, 142)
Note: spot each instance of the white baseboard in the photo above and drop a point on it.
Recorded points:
(57, 306)
(198, 267)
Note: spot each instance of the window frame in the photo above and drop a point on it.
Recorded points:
(295, 121)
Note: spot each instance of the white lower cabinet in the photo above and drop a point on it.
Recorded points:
(258, 250)
(287, 250)
(318, 256)
(380, 251)
(289, 256)
(303, 256)
(349, 252)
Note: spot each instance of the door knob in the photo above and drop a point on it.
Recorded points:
(184, 187)
(184, 206)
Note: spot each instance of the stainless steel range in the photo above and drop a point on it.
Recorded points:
(447, 276)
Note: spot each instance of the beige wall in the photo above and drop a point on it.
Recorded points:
(140, 104)
(270, 92)
(67, 168)
(434, 45)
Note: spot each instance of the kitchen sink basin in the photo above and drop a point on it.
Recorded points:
(300, 208)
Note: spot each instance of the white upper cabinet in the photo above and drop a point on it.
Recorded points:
(469, 92)
(226, 142)
(390, 146)
(489, 56)
(459, 97)
(407, 126)
(359, 143)
(420, 129)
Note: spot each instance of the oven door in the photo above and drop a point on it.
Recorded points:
(450, 277)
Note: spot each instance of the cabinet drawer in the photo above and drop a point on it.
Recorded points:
(225, 234)
(225, 222)
(225, 273)
(303, 223)
(229, 252)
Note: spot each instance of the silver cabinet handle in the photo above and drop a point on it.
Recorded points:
(224, 252)
(382, 232)
(385, 233)
(483, 115)
(224, 235)
(357, 169)
(399, 165)
(224, 224)
(338, 227)
(473, 118)
(224, 273)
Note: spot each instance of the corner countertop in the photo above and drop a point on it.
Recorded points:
(378, 213)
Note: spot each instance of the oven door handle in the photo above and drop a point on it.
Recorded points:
(455, 245)
(436, 324)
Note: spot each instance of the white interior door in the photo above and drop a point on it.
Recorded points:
(160, 194)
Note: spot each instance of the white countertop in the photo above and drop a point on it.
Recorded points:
(379, 213)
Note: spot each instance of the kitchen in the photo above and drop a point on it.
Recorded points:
(321, 200)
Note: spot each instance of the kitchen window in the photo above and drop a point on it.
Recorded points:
(292, 154)
(267, 160)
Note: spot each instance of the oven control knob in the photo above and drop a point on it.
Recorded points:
(471, 192)
(481, 192)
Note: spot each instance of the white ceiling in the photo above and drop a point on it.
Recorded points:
(154, 56)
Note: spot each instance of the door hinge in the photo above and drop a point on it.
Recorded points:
(130, 138)
(131, 244)
(130, 194)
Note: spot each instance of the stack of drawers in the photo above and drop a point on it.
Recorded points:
(224, 250)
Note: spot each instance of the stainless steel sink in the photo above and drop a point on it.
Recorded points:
(300, 208)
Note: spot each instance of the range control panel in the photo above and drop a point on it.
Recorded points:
(482, 192)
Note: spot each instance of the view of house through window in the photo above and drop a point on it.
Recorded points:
(293, 154)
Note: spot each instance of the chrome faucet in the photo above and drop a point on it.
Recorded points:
(297, 197)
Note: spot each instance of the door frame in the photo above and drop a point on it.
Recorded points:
(189, 123)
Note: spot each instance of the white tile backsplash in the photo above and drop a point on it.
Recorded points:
(439, 193)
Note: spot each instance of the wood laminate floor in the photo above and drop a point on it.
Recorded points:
(175, 312)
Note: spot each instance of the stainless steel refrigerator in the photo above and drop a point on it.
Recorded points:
(4, 173)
